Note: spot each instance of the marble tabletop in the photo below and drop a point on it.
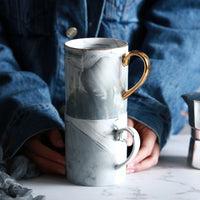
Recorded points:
(171, 179)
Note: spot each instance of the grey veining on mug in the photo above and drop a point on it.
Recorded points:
(97, 83)
(94, 137)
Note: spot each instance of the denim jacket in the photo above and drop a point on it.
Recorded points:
(32, 82)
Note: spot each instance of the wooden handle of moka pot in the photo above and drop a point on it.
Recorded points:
(125, 62)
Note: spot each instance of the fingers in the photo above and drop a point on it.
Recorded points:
(130, 122)
(129, 140)
(148, 141)
(56, 139)
(46, 159)
(35, 146)
(146, 163)
(148, 154)
(45, 165)
(129, 137)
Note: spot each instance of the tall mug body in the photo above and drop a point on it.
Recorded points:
(96, 110)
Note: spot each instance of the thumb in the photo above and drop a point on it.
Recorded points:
(56, 138)
(129, 137)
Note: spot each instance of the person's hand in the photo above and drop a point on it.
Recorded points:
(148, 154)
(46, 159)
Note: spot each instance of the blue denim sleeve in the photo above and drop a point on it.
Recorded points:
(171, 35)
(25, 103)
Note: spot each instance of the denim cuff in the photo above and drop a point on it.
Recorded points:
(28, 122)
(149, 114)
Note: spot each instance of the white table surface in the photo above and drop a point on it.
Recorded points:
(171, 179)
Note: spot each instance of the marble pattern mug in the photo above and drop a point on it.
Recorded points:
(96, 110)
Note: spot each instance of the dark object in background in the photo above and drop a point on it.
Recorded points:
(193, 102)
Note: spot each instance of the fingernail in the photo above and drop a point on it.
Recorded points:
(131, 165)
(129, 141)
(130, 171)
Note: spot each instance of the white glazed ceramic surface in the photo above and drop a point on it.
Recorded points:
(93, 152)
(95, 80)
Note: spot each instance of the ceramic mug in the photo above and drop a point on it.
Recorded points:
(96, 110)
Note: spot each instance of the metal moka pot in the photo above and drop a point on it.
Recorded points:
(193, 102)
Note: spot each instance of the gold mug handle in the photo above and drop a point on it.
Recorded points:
(125, 62)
